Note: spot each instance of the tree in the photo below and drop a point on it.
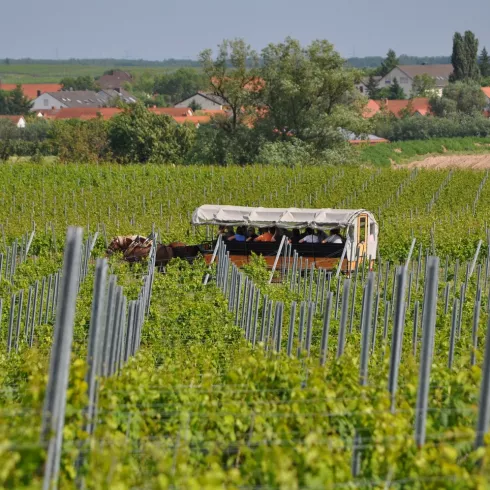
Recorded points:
(465, 57)
(372, 88)
(14, 102)
(396, 91)
(80, 83)
(459, 98)
(195, 106)
(232, 75)
(73, 140)
(391, 61)
(181, 84)
(308, 93)
(138, 135)
(484, 63)
(423, 85)
(144, 85)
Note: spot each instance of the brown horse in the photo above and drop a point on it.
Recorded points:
(135, 248)
(122, 243)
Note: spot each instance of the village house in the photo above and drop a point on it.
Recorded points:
(486, 91)
(19, 121)
(205, 101)
(405, 75)
(180, 116)
(115, 80)
(80, 98)
(362, 86)
(68, 99)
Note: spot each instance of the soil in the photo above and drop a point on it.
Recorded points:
(468, 162)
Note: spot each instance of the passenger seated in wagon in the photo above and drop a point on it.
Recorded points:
(240, 235)
(266, 235)
(251, 235)
(225, 232)
(334, 237)
(310, 237)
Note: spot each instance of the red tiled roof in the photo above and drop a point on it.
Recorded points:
(371, 109)
(83, 113)
(418, 104)
(486, 91)
(86, 113)
(173, 111)
(31, 89)
(196, 120)
(14, 119)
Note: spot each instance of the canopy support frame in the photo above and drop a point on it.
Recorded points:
(277, 258)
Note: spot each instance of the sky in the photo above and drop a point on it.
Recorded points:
(162, 29)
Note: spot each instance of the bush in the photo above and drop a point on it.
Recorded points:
(216, 145)
(138, 135)
(24, 142)
(429, 127)
(287, 153)
(73, 140)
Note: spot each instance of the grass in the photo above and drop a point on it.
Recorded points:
(407, 151)
(44, 73)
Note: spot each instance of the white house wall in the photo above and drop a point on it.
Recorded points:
(45, 102)
(204, 102)
(404, 80)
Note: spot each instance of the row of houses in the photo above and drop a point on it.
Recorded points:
(67, 99)
(180, 115)
(417, 106)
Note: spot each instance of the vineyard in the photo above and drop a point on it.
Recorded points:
(127, 378)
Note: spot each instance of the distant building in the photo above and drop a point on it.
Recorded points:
(418, 106)
(405, 75)
(206, 101)
(19, 121)
(67, 99)
(80, 98)
(486, 91)
(116, 80)
(114, 94)
(362, 86)
(173, 111)
(82, 113)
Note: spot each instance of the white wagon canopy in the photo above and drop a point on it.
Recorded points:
(361, 225)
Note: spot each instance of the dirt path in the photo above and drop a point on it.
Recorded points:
(468, 162)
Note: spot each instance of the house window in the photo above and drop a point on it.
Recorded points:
(403, 79)
(46, 102)
(387, 82)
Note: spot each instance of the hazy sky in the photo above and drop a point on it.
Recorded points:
(159, 29)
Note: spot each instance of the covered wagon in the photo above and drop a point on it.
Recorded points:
(359, 234)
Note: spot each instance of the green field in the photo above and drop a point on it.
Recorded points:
(45, 73)
(200, 407)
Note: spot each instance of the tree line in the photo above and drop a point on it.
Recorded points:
(288, 104)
